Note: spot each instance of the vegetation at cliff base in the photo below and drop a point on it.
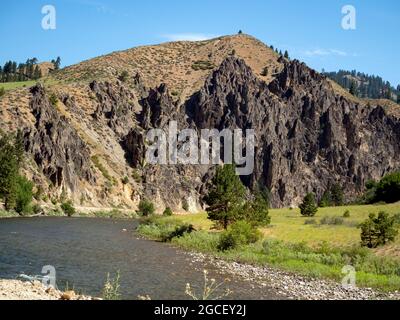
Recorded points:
(228, 203)
(15, 189)
(385, 190)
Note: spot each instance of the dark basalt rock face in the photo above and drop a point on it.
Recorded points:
(55, 146)
(307, 136)
(116, 105)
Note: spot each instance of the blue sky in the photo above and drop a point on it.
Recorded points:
(310, 30)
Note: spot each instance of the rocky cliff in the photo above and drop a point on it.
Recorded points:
(308, 134)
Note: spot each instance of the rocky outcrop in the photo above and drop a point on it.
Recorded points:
(116, 105)
(55, 146)
(307, 135)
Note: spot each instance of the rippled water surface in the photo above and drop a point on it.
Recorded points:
(83, 251)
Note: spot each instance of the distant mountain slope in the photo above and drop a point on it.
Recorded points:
(364, 85)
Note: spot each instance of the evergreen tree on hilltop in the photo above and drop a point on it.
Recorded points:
(369, 86)
(353, 89)
(286, 55)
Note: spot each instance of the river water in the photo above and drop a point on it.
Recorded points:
(84, 250)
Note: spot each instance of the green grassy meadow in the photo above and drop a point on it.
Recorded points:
(8, 86)
(290, 244)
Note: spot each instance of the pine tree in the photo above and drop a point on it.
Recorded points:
(256, 211)
(308, 208)
(23, 195)
(226, 196)
(337, 195)
(377, 231)
(15, 190)
(9, 167)
(326, 199)
(37, 73)
(353, 89)
(57, 63)
(286, 54)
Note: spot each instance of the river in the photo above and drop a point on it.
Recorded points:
(84, 250)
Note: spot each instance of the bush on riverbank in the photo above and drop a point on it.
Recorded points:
(115, 214)
(167, 212)
(164, 230)
(146, 208)
(238, 234)
(68, 208)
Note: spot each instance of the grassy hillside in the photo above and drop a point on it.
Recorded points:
(15, 85)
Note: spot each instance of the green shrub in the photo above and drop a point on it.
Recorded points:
(24, 195)
(264, 72)
(377, 231)
(53, 99)
(68, 208)
(388, 189)
(178, 232)
(2, 91)
(396, 218)
(308, 208)
(124, 76)
(256, 211)
(111, 288)
(310, 221)
(326, 199)
(202, 65)
(136, 176)
(200, 240)
(332, 221)
(346, 214)
(238, 234)
(37, 209)
(333, 196)
(337, 196)
(146, 208)
(168, 212)
(163, 229)
(185, 205)
(103, 170)
(125, 180)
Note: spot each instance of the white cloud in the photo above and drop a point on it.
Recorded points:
(325, 52)
(188, 36)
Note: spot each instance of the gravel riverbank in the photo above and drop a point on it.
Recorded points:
(26, 290)
(291, 285)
